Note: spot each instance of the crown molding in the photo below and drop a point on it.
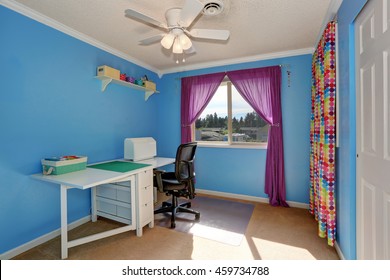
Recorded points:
(22, 9)
(238, 60)
(330, 15)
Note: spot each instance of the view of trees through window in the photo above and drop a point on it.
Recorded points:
(246, 125)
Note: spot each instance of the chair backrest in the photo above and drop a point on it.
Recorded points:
(184, 164)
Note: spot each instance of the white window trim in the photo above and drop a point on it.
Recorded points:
(222, 145)
(229, 144)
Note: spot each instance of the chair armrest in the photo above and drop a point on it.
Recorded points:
(158, 180)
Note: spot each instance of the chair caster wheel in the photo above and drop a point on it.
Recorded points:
(197, 216)
(173, 225)
(189, 205)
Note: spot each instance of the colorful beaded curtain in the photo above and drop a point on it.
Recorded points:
(323, 135)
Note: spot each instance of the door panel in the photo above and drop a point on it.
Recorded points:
(373, 130)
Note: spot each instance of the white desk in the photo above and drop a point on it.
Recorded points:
(90, 178)
(157, 161)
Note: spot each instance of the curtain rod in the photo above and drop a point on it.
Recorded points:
(280, 65)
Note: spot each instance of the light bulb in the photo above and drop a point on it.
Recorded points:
(177, 61)
(177, 48)
(185, 41)
(167, 41)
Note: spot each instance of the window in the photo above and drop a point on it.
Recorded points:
(229, 119)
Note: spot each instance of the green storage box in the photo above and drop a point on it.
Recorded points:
(62, 165)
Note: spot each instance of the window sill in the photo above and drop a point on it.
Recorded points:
(232, 146)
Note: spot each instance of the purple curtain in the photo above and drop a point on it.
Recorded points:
(196, 93)
(260, 87)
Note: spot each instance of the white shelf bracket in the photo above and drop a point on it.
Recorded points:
(105, 83)
(148, 94)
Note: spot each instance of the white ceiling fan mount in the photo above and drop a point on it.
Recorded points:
(177, 23)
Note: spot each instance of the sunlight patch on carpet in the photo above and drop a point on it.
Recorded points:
(207, 231)
(220, 220)
(270, 250)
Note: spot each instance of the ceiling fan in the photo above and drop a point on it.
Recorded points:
(177, 23)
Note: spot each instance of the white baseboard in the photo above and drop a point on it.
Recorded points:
(250, 198)
(42, 239)
(338, 250)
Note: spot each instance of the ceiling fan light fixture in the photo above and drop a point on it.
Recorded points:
(177, 21)
(177, 47)
(185, 41)
(167, 41)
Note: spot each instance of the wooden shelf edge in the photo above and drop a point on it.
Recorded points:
(107, 80)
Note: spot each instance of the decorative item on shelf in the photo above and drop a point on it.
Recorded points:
(122, 77)
(63, 164)
(107, 71)
(130, 79)
(139, 82)
(148, 84)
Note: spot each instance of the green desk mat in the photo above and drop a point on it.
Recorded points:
(119, 166)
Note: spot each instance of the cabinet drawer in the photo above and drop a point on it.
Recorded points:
(106, 190)
(114, 207)
(123, 212)
(146, 194)
(106, 207)
(145, 213)
(145, 178)
(115, 192)
(123, 194)
(124, 184)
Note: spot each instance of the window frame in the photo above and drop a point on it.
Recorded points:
(229, 143)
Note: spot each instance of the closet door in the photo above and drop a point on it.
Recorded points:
(372, 47)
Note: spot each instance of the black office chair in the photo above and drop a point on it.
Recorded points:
(179, 183)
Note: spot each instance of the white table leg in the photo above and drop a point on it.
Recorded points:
(93, 204)
(139, 231)
(64, 223)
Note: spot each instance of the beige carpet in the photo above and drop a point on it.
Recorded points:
(273, 233)
(221, 220)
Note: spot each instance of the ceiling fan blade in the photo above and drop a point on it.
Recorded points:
(189, 12)
(190, 50)
(134, 14)
(151, 40)
(210, 34)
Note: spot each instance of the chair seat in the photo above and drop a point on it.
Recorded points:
(173, 187)
(171, 183)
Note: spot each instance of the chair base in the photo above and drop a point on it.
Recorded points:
(174, 208)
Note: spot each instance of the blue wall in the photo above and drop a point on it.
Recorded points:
(346, 161)
(50, 105)
(241, 171)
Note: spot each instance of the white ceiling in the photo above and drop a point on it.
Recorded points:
(258, 28)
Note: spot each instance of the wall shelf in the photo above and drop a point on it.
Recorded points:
(107, 80)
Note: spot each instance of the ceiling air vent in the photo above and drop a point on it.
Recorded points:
(213, 8)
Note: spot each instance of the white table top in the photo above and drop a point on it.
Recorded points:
(91, 177)
(87, 178)
(157, 161)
